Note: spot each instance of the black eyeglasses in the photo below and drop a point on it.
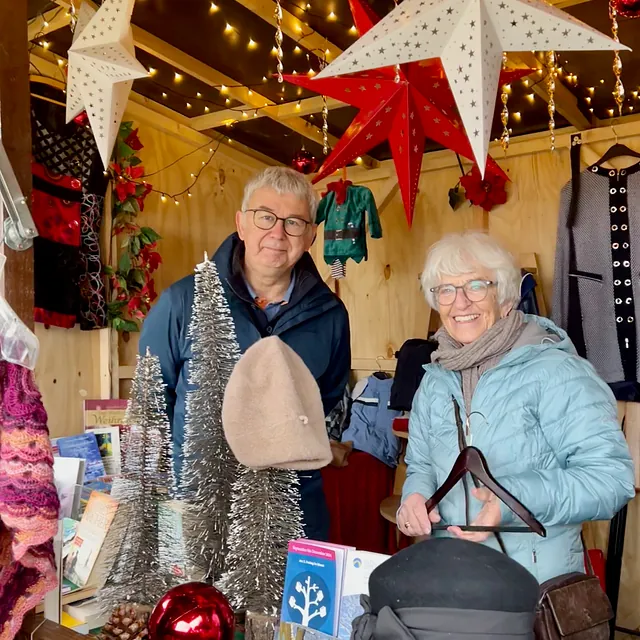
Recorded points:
(474, 290)
(265, 220)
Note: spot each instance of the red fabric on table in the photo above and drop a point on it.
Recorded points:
(354, 494)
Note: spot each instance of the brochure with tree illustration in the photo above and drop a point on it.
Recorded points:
(312, 585)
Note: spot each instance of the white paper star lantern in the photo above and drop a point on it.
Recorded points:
(102, 68)
(469, 36)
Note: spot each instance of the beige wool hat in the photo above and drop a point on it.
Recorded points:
(272, 411)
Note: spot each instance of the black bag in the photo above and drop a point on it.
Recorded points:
(413, 355)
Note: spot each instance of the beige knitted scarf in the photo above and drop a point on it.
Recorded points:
(473, 359)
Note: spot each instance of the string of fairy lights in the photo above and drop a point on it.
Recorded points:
(549, 74)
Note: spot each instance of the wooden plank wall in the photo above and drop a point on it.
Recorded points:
(382, 295)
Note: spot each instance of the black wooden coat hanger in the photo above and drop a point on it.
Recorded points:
(618, 150)
(472, 461)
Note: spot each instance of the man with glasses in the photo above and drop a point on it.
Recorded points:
(273, 288)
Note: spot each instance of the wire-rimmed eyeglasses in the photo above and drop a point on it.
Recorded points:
(265, 220)
(474, 290)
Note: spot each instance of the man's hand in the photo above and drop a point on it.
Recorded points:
(489, 516)
(412, 517)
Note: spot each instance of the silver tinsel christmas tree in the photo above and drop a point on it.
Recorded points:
(209, 466)
(136, 538)
(265, 516)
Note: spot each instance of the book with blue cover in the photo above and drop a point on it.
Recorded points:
(85, 446)
(312, 585)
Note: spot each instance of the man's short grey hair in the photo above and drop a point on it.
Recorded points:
(457, 254)
(283, 180)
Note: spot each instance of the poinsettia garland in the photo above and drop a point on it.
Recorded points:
(132, 288)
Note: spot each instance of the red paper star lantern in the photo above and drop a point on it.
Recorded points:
(403, 112)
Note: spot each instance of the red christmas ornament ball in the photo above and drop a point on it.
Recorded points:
(628, 8)
(304, 162)
(192, 611)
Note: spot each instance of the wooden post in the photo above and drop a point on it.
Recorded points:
(15, 130)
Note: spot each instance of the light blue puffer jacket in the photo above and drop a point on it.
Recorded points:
(548, 427)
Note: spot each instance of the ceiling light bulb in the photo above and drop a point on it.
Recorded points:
(229, 140)
(198, 95)
(45, 23)
(244, 114)
(188, 105)
(45, 44)
(214, 6)
(250, 92)
(228, 27)
(517, 116)
(274, 50)
(358, 160)
(297, 49)
(164, 95)
(264, 78)
(227, 101)
(610, 112)
(298, 104)
(601, 81)
(152, 71)
(60, 62)
(252, 44)
(331, 16)
(177, 77)
(222, 88)
(206, 109)
(353, 29)
(189, 193)
(163, 198)
(588, 100)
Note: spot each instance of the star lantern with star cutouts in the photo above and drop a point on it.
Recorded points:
(402, 112)
(102, 68)
(469, 36)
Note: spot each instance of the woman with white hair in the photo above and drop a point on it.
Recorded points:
(544, 420)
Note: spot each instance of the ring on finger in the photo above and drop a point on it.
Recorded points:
(407, 525)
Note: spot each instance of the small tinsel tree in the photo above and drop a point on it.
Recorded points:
(265, 517)
(209, 466)
(131, 283)
(137, 575)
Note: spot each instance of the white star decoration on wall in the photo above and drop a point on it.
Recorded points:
(469, 36)
(102, 68)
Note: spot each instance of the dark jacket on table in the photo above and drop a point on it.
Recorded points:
(314, 323)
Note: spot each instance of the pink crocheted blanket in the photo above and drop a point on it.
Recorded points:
(28, 499)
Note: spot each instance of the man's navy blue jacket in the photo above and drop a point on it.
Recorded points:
(314, 323)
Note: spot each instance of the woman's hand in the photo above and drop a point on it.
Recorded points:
(412, 517)
(489, 516)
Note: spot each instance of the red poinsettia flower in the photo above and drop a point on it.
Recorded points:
(149, 291)
(133, 141)
(125, 185)
(140, 199)
(484, 193)
(150, 259)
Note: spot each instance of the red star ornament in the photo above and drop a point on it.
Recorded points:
(398, 111)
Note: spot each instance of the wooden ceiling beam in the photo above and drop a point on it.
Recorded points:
(294, 28)
(162, 118)
(47, 22)
(566, 103)
(277, 112)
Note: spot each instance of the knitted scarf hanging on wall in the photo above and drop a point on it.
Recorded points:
(28, 499)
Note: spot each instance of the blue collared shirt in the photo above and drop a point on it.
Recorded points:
(271, 308)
